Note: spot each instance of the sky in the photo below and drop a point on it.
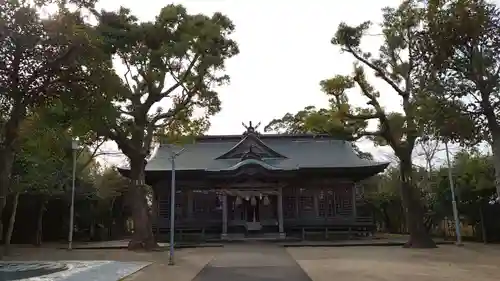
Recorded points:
(285, 51)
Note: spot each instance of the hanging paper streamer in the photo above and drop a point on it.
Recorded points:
(253, 201)
(266, 200)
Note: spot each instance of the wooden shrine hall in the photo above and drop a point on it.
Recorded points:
(260, 184)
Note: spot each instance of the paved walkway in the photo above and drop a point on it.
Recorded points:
(252, 262)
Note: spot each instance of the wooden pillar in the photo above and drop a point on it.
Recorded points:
(280, 212)
(297, 201)
(190, 203)
(316, 202)
(224, 216)
(354, 212)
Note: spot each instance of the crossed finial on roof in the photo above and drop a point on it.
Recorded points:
(250, 128)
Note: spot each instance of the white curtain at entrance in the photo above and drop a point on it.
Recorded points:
(266, 200)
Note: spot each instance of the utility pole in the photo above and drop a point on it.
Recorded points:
(453, 199)
(74, 148)
(173, 156)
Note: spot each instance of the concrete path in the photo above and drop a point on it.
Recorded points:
(249, 262)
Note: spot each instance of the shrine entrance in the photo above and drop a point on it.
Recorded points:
(254, 210)
(251, 210)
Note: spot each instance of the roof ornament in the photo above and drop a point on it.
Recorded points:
(250, 129)
(251, 154)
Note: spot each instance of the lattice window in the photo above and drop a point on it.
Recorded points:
(344, 200)
(306, 204)
(322, 204)
(164, 206)
(179, 205)
(206, 205)
(330, 200)
(290, 202)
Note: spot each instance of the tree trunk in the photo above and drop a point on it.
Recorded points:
(413, 209)
(111, 220)
(39, 223)
(12, 221)
(483, 223)
(494, 128)
(387, 220)
(6, 161)
(495, 147)
(7, 152)
(142, 237)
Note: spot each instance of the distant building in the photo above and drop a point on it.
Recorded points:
(237, 185)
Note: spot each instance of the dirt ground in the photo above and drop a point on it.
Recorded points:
(472, 262)
(188, 262)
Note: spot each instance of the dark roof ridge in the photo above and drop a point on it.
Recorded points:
(268, 136)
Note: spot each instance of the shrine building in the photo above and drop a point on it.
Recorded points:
(277, 185)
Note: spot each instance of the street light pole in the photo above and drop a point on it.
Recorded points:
(74, 148)
(453, 199)
(172, 207)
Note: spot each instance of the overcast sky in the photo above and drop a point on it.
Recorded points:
(285, 51)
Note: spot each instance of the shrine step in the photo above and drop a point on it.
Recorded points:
(254, 237)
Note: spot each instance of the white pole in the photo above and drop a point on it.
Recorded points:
(74, 147)
(453, 199)
(172, 208)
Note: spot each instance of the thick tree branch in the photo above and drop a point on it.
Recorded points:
(182, 79)
(360, 135)
(378, 70)
(51, 65)
(382, 116)
(361, 116)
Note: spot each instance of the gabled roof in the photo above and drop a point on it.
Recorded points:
(297, 151)
(250, 143)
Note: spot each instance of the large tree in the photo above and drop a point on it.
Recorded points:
(170, 68)
(38, 62)
(462, 50)
(396, 66)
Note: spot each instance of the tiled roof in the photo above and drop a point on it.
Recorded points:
(300, 151)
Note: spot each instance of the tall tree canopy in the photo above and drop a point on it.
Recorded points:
(462, 51)
(170, 68)
(396, 65)
(39, 62)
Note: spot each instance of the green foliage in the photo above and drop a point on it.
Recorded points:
(474, 183)
(395, 65)
(313, 121)
(44, 162)
(183, 131)
(38, 57)
(110, 184)
(177, 60)
(462, 50)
